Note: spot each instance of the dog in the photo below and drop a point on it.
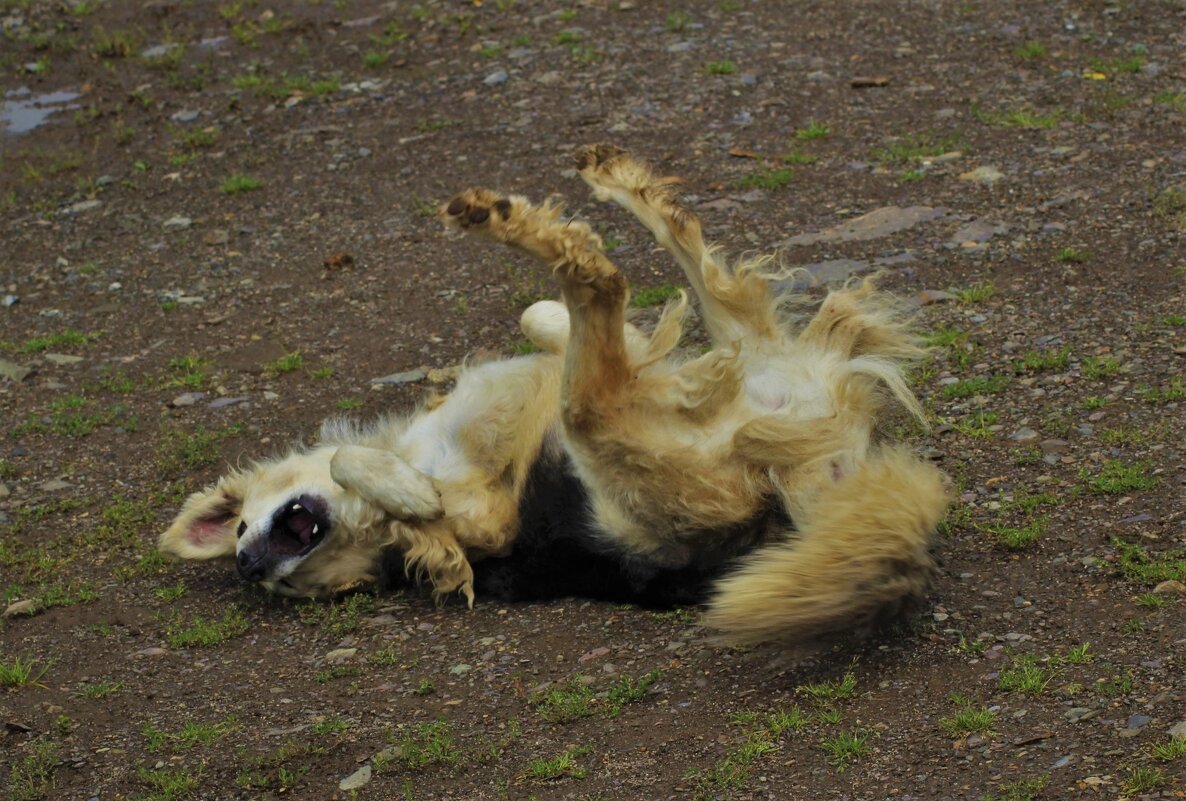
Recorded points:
(753, 477)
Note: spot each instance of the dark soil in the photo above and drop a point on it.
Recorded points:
(1055, 278)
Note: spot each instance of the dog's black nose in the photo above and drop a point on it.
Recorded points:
(252, 568)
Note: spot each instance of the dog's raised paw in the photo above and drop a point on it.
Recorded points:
(593, 157)
(473, 207)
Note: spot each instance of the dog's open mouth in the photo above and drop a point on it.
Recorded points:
(298, 526)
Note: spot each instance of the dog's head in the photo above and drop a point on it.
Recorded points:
(309, 525)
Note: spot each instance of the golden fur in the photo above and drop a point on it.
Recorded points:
(676, 456)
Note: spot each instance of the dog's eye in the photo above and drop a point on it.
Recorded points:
(242, 528)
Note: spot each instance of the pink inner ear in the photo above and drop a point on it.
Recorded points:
(208, 532)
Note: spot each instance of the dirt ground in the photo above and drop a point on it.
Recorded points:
(216, 229)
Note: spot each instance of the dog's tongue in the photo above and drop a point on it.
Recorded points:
(300, 523)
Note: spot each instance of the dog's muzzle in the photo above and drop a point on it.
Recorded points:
(297, 528)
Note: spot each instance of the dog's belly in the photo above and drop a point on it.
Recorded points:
(561, 552)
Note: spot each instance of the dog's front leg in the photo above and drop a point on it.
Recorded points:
(596, 368)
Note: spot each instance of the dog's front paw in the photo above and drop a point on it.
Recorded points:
(473, 209)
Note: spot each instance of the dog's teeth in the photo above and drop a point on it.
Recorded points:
(315, 528)
(296, 507)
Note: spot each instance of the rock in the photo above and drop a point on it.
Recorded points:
(460, 668)
(1080, 713)
(185, 115)
(53, 485)
(495, 78)
(25, 607)
(1138, 721)
(929, 296)
(187, 399)
(152, 652)
(220, 403)
(1170, 587)
(1054, 445)
(877, 223)
(976, 232)
(406, 377)
(986, 175)
(62, 358)
(341, 655)
(596, 653)
(157, 51)
(358, 778)
(1178, 730)
(10, 301)
(81, 207)
(219, 236)
(178, 223)
(13, 371)
(1024, 435)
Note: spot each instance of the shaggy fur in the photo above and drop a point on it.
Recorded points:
(602, 467)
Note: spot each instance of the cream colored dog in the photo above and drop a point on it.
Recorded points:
(750, 476)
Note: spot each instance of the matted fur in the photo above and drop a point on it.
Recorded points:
(678, 459)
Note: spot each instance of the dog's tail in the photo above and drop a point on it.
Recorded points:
(861, 550)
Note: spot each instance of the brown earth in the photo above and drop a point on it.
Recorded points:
(122, 245)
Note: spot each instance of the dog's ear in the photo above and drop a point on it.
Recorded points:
(387, 481)
(203, 528)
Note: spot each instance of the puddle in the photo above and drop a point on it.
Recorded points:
(22, 111)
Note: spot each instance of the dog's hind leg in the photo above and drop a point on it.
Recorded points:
(596, 366)
(737, 304)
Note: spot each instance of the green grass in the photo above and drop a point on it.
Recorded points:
(171, 593)
(168, 785)
(799, 157)
(336, 672)
(1024, 675)
(769, 178)
(287, 363)
(339, 618)
(629, 691)
(1026, 119)
(968, 720)
(1170, 751)
(971, 387)
(237, 184)
(69, 338)
(646, 297)
(425, 687)
(566, 703)
(329, 726)
(1117, 478)
(828, 692)
(1043, 361)
(1119, 66)
(846, 748)
(562, 766)
(1138, 565)
(1022, 790)
(203, 633)
(18, 672)
(100, 689)
(1152, 600)
(977, 293)
(1080, 654)
(1072, 255)
(373, 59)
(179, 451)
(1142, 779)
(1019, 538)
(32, 776)
(424, 745)
(813, 130)
(1173, 391)
(1030, 51)
(720, 68)
(913, 147)
(187, 372)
